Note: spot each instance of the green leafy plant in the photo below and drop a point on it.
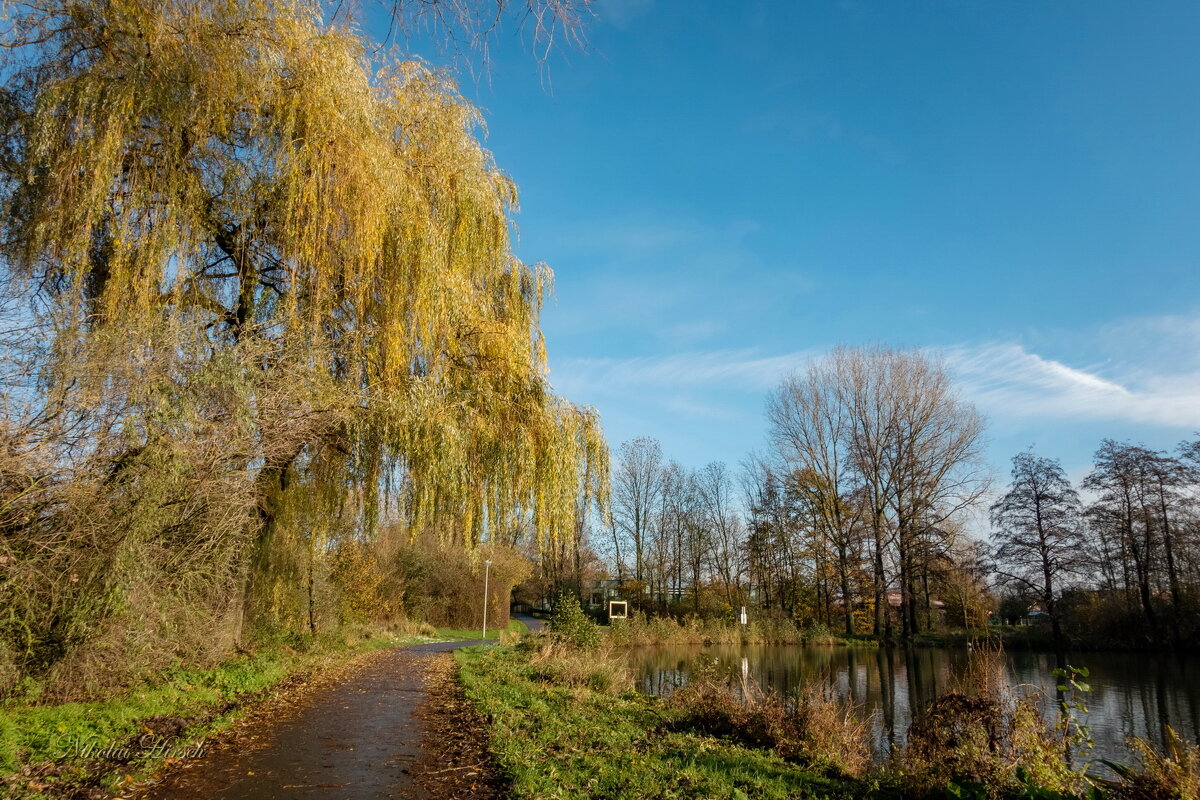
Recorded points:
(1071, 688)
(569, 622)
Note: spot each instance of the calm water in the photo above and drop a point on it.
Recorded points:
(1132, 693)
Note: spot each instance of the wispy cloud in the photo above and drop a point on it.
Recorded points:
(1007, 380)
(631, 239)
(691, 333)
(742, 370)
(622, 12)
(807, 127)
(653, 234)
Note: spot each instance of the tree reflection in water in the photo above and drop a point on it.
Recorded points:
(1133, 694)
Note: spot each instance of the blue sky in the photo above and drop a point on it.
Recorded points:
(726, 189)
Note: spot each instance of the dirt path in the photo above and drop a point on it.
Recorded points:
(398, 728)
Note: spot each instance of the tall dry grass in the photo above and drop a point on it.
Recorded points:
(556, 660)
(640, 630)
(811, 729)
(1169, 773)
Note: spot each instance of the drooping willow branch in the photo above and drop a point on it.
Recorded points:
(240, 184)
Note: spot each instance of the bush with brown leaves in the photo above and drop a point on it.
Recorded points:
(810, 729)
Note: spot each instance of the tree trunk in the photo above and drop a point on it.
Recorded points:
(1172, 573)
(844, 578)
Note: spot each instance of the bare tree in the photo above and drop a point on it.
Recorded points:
(1145, 522)
(636, 489)
(724, 527)
(1169, 480)
(671, 528)
(1125, 506)
(774, 546)
(877, 440)
(1038, 536)
(861, 376)
(934, 460)
(810, 428)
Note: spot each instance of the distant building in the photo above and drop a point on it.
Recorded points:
(597, 593)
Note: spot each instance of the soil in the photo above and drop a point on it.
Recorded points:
(455, 760)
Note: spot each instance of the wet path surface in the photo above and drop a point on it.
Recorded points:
(533, 623)
(357, 740)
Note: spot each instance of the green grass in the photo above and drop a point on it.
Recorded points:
(454, 634)
(554, 741)
(557, 732)
(49, 738)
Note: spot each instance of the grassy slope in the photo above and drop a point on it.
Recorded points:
(562, 742)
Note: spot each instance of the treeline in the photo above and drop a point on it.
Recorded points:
(849, 521)
(672, 538)
(1122, 566)
(676, 535)
(258, 297)
(855, 519)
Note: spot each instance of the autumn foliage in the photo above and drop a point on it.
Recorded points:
(258, 295)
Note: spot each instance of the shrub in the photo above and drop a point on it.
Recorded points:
(833, 739)
(959, 738)
(818, 633)
(811, 730)
(990, 742)
(569, 622)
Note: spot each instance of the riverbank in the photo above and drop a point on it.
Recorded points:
(573, 728)
(566, 723)
(639, 631)
(1037, 638)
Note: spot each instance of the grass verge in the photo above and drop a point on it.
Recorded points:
(559, 731)
(515, 626)
(564, 722)
(94, 749)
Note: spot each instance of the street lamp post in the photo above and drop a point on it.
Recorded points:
(487, 565)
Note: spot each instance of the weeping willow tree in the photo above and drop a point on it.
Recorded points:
(264, 258)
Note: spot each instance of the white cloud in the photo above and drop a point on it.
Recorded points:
(744, 370)
(1006, 380)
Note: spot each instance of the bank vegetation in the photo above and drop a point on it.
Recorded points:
(567, 722)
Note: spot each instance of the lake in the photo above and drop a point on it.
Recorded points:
(1132, 693)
